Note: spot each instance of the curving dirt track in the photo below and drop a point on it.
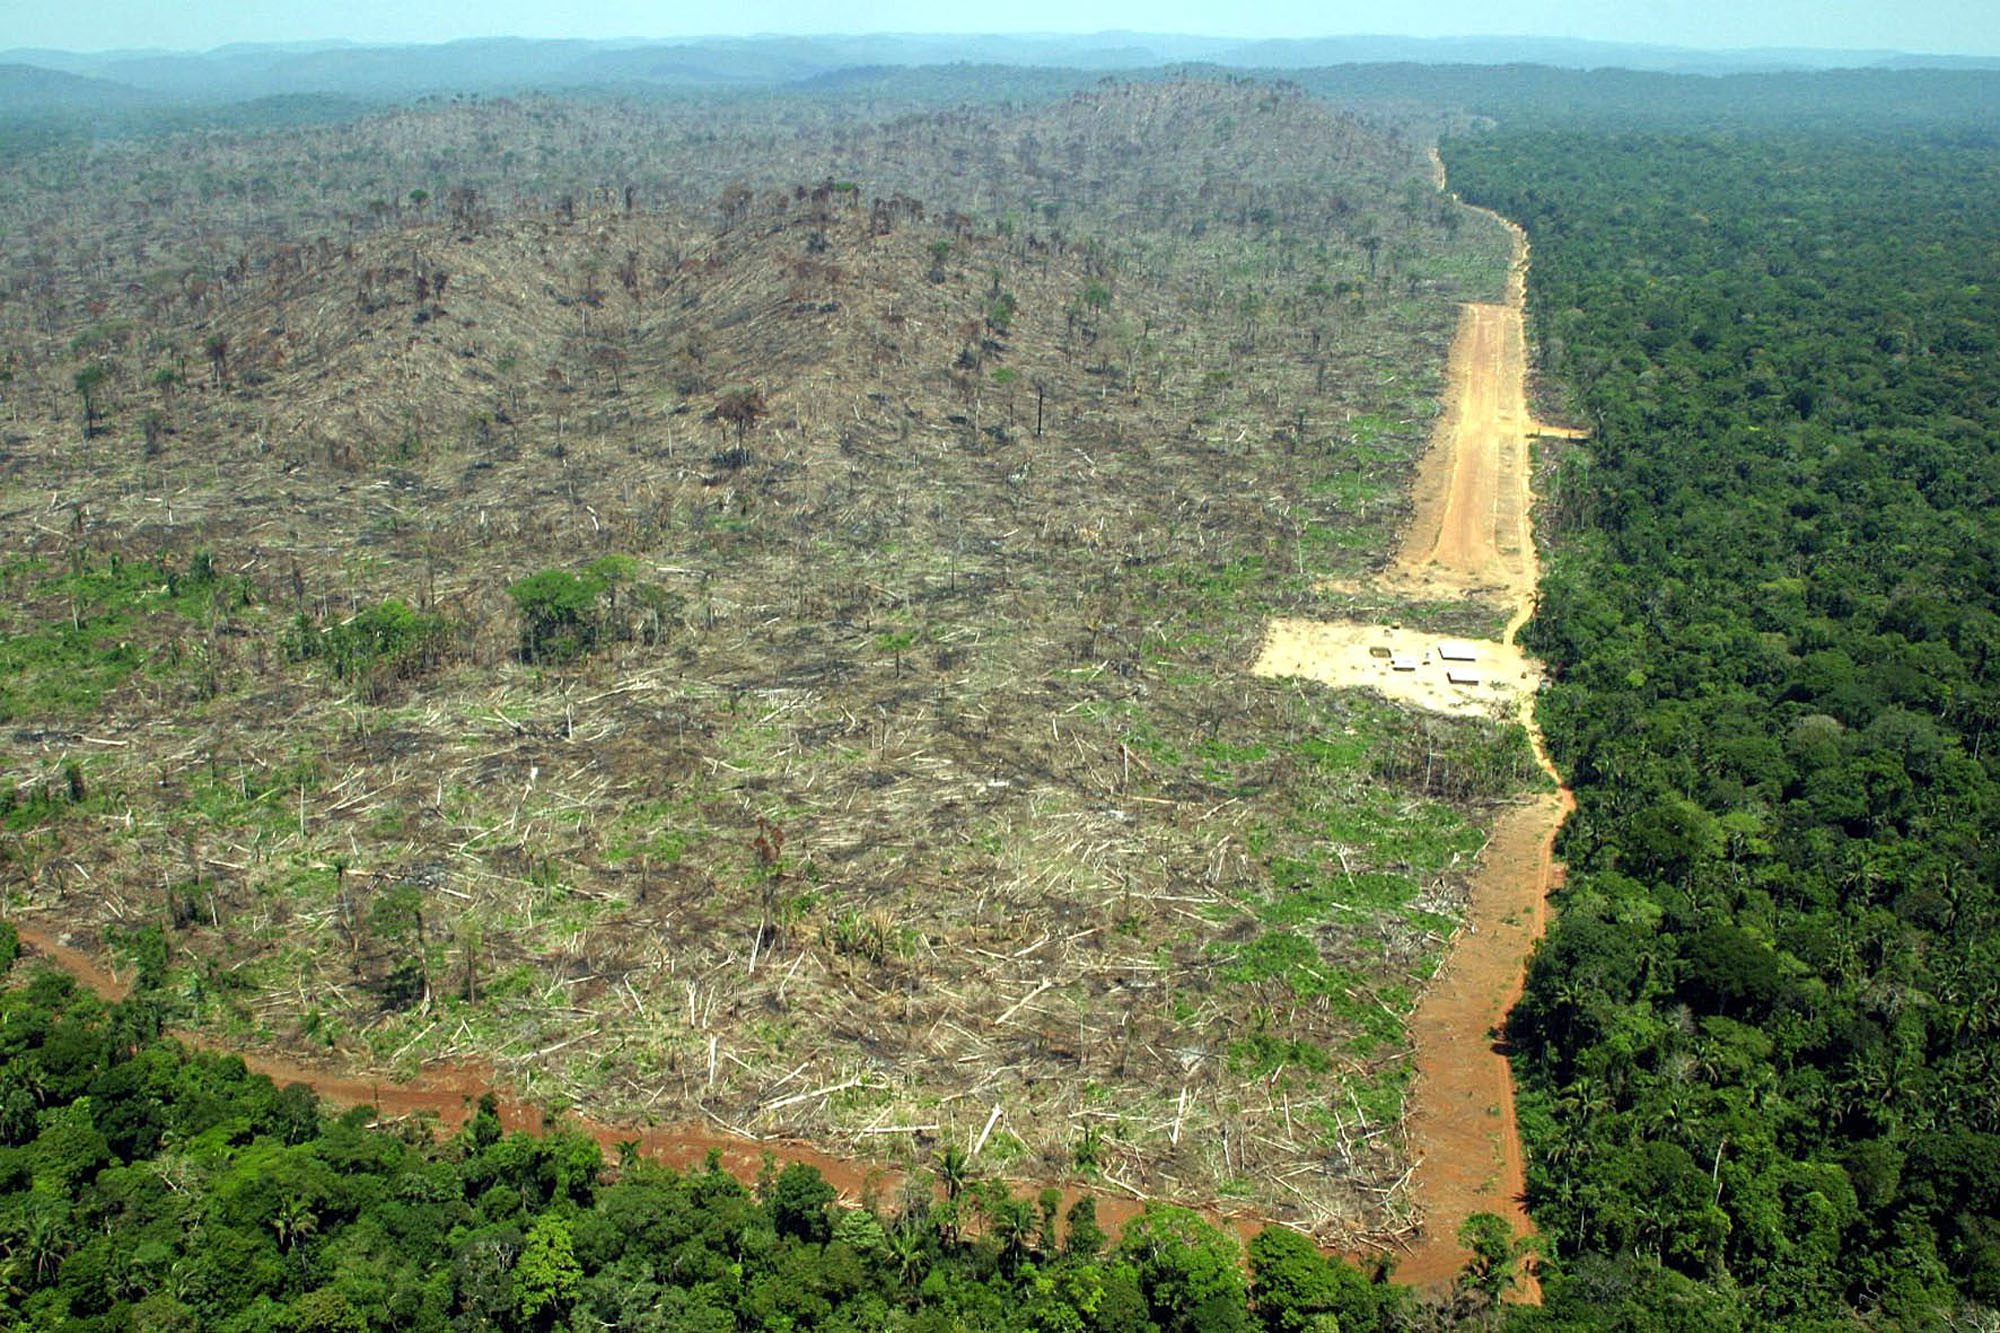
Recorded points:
(1463, 1135)
(449, 1094)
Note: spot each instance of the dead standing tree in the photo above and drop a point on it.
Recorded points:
(216, 346)
(734, 204)
(769, 845)
(742, 407)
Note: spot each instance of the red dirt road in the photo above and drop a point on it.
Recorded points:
(450, 1094)
(1463, 1134)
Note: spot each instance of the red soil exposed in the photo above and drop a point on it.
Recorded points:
(1471, 537)
(449, 1095)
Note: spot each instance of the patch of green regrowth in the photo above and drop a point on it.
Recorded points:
(1381, 1093)
(57, 792)
(69, 641)
(1144, 739)
(558, 616)
(1195, 587)
(1365, 428)
(1002, 1149)
(248, 798)
(1459, 759)
(1343, 752)
(566, 615)
(1262, 1054)
(1310, 892)
(389, 638)
(1425, 837)
(1232, 767)
(1293, 961)
(1222, 752)
(1333, 545)
(640, 837)
(1355, 487)
(1274, 955)
(303, 884)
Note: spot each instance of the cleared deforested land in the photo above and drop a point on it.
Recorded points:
(747, 622)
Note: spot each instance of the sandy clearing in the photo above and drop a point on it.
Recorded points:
(1343, 653)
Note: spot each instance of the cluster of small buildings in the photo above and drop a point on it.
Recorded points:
(1455, 655)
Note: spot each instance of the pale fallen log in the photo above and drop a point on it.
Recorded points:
(808, 1096)
(991, 1120)
(1016, 1006)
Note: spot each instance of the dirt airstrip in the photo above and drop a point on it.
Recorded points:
(1471, 538)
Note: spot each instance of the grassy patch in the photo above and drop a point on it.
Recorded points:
(70, 640)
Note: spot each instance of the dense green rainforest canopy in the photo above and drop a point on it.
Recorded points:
(1762, 1043)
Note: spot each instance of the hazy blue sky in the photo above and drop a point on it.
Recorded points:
(1934, 26)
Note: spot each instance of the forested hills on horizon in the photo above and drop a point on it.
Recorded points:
(244, 71)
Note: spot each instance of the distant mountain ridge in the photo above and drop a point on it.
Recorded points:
(241, 72)
(26, 88)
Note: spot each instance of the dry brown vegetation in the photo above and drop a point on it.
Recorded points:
(933, 478)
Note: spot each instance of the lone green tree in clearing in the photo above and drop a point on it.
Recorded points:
(88, 380)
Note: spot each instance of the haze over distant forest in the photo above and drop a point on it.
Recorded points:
(1046, 681)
